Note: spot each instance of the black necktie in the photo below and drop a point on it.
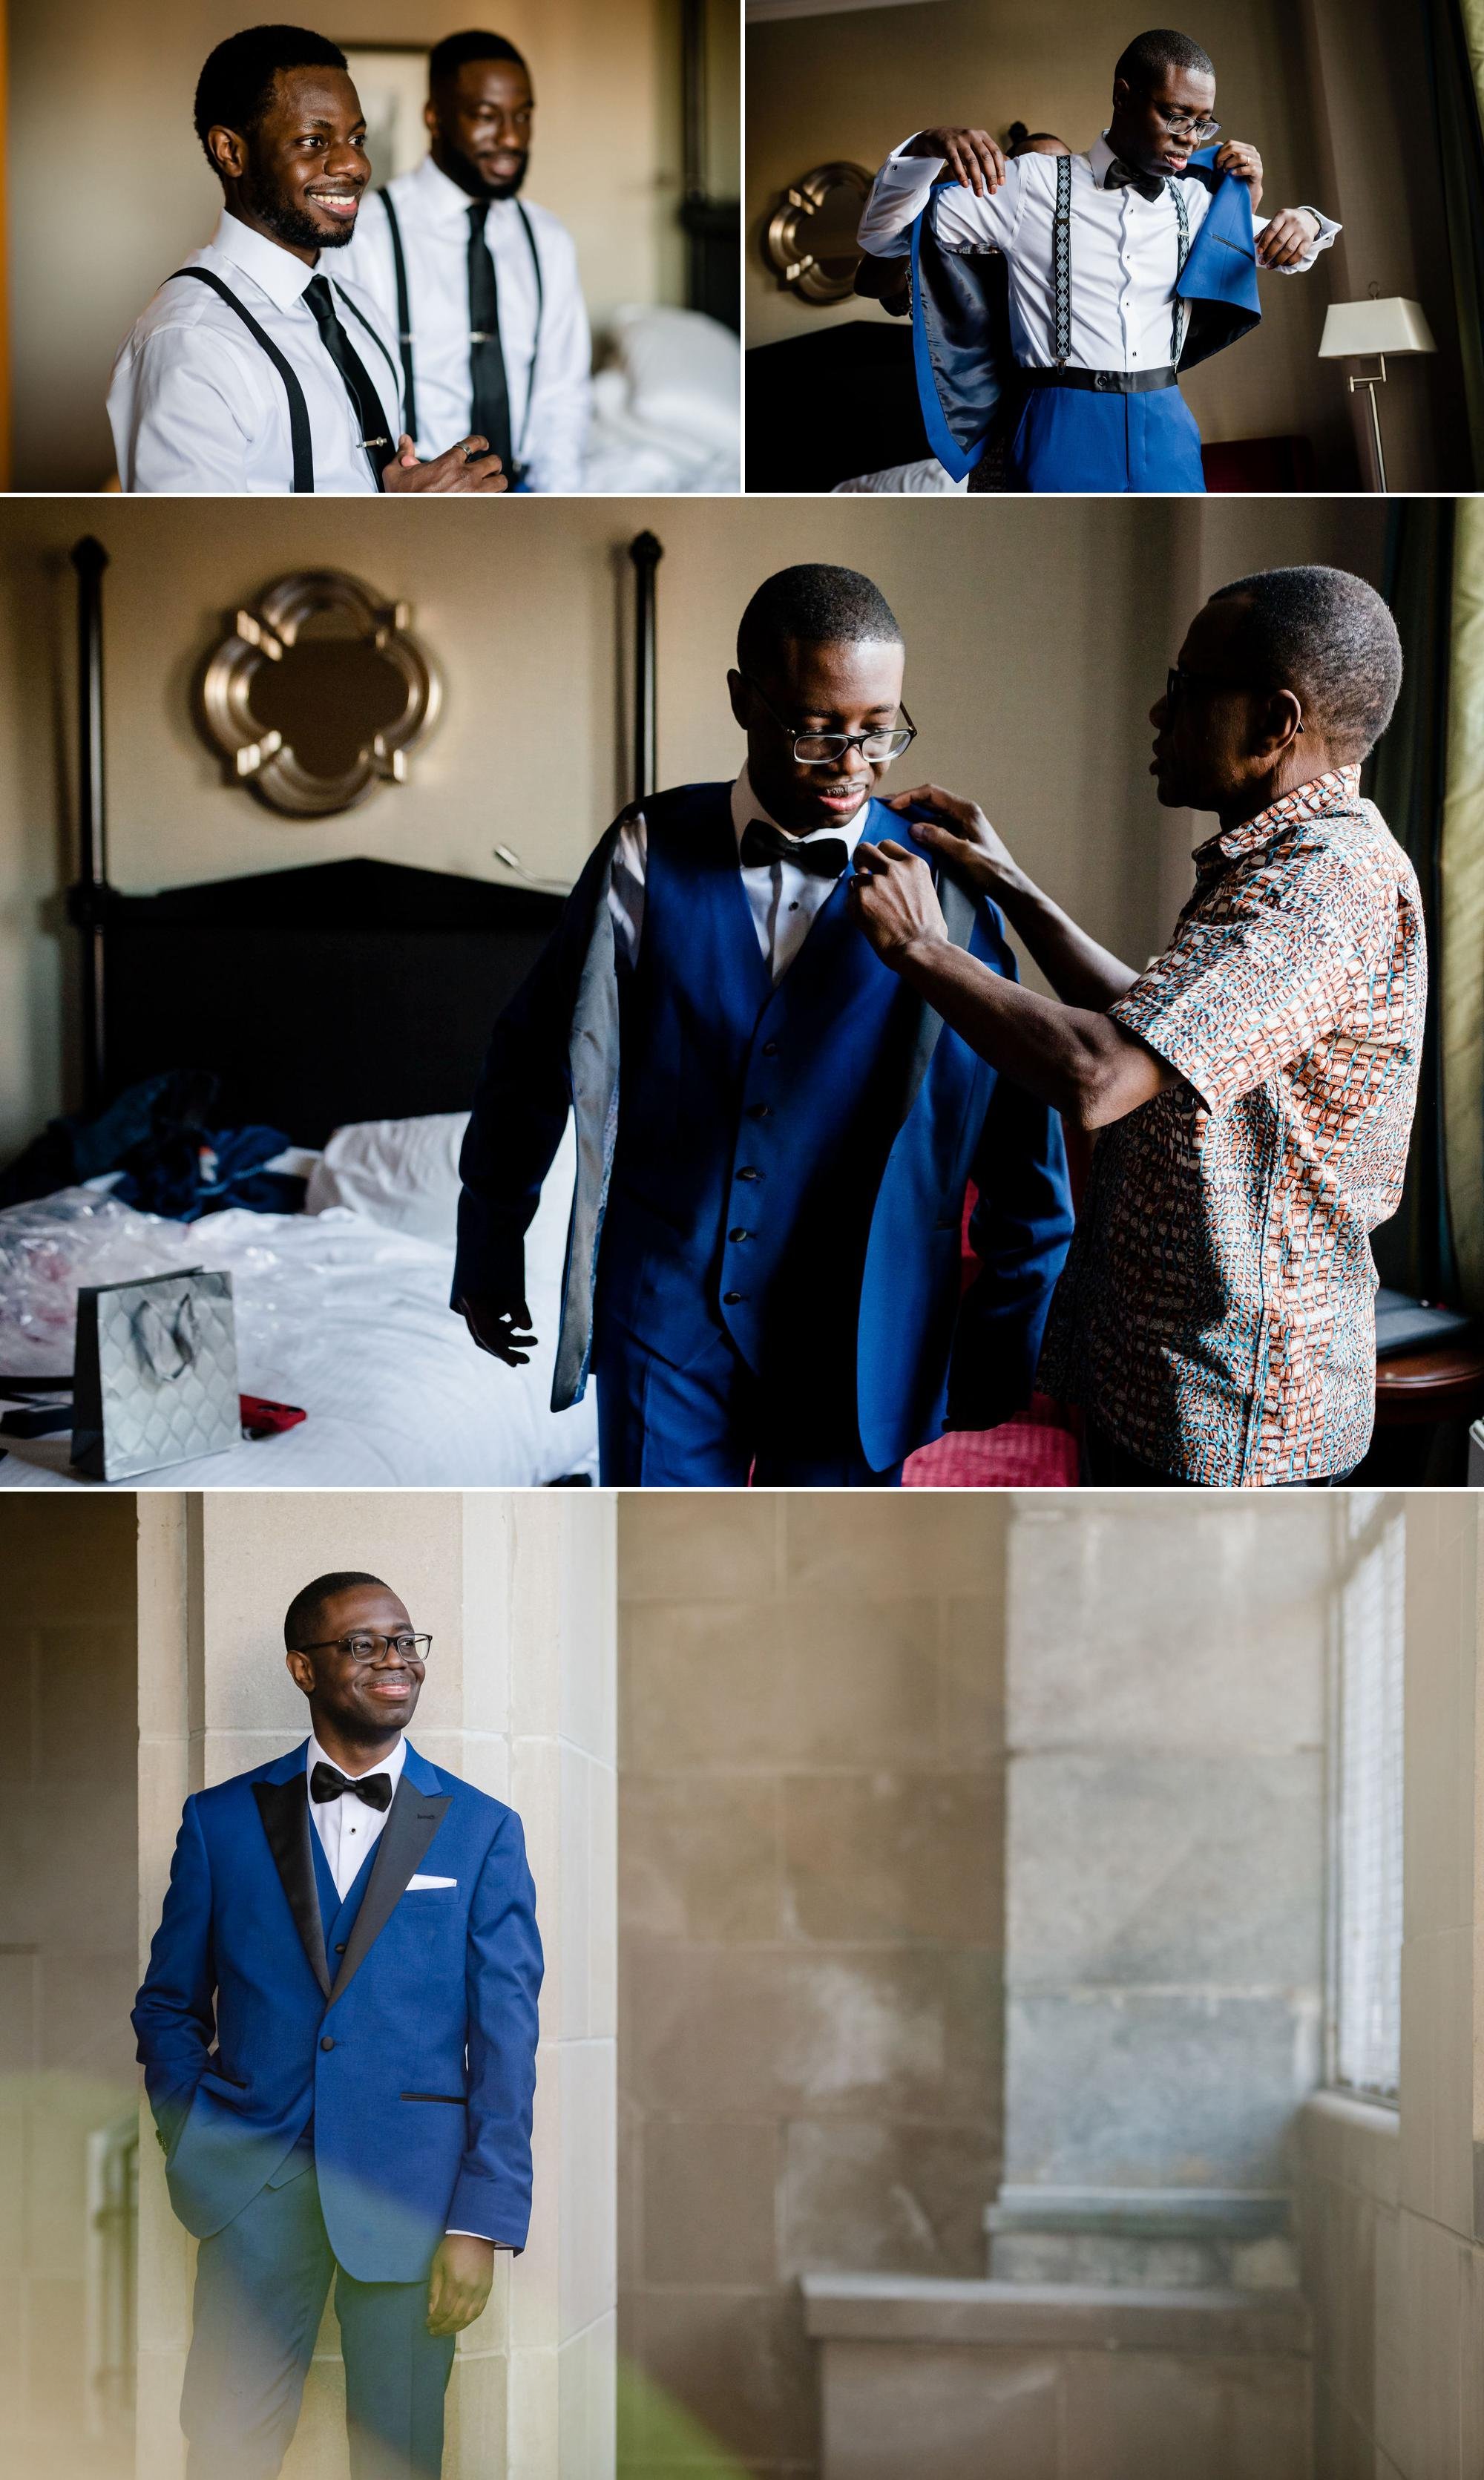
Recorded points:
(325, 1782)
(490, 409)
(764, 843)
(1122, 176)
(369, 410)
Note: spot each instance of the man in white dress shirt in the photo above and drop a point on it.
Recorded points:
(1126, 265)
(252, 369)
(479, 286)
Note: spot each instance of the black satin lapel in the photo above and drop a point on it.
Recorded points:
(284, 1808)
(412, 1821)
(959, 919)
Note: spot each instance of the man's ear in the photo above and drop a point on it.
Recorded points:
(1122, 93)
(300, 1669)
(1283, 720)
(741, 697)
(228, 152)
(430, 120)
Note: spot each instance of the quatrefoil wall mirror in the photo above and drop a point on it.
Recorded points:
(319, 692)
(810, 242)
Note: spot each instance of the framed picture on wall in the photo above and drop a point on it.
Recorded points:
(391, 80)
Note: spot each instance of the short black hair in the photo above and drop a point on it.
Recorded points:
(1327, 635)
(1020, 136)
(446, 59)
(817, 606)
(1145, 60)
(302, 1616)
(235, 87)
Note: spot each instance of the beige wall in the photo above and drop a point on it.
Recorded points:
(1037, 636)
(517, 1590)
(109, 186)
(854, 84)
(1393, 2202)
(809, 1852)
(66, 1945)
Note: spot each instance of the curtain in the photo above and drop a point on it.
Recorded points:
(1408, 779)
(1454, 35)
(1462, 915)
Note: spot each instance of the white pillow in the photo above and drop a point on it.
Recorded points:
(404, 1175)
(684, 373)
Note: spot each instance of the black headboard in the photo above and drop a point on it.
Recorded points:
(353, 990)
(347, 990)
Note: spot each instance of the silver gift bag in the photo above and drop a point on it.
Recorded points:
(155, 1378)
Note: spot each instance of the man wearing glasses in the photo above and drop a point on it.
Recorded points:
(1127, 265)
(338, 2030)
(1253, 1087)
(764, 1262)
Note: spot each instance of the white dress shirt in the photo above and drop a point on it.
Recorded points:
(1125, 250)
(548, 418)
(783, 900)
(197, 405)
(348, 1830)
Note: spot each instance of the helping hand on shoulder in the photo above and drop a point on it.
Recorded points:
(962, 836)
(971, 154)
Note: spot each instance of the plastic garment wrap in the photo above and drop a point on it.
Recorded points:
(334, 1313)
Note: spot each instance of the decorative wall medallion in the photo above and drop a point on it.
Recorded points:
(810, 239)
(319, 692)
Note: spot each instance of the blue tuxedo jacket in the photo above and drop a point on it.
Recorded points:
(402, 2032)
(957, 323)
(853, 1114)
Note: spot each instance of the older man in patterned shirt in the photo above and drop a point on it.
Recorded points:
(1256, 1084)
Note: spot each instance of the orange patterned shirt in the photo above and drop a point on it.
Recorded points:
(1215, 1316)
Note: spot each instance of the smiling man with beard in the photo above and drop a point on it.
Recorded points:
(253, 368)
(338, 2030)
(480, 286)
(1253, 1086)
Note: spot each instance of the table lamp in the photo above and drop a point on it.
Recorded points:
(1379, 327)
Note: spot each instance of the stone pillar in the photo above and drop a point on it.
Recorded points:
(517, 1589)
(1165, 1681)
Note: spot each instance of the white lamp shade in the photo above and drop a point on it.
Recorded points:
(1393, 326)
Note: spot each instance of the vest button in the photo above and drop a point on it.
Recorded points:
(748, 1174)
(760, 1111)
(327, 2043)
(738, 1233)
(340, 1950)
(770, 1051)
(729, 1300)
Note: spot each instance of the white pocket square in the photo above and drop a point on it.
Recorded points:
(424, 1885)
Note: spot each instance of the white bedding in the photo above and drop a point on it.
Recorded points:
(667, 411)
(344, 1317)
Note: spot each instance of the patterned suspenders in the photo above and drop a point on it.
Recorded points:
(1061, 259)
(1062, 263)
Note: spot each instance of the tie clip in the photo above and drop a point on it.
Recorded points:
(478, 336)
(382, 441)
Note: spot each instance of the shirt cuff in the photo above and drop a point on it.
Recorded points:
(502, 2247)
(899, 193)
(1328, 228)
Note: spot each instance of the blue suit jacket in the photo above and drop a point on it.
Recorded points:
(557, 1045)
(414, 2052)
(956, 322)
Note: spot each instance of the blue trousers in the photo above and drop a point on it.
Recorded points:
(711, 1425)
(1074, 439)
(259, 2290)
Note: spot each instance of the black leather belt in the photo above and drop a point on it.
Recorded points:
(1104, 382)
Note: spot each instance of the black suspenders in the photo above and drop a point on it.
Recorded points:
(404, 315)
(299, 411)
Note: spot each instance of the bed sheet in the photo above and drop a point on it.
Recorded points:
(352, 1322)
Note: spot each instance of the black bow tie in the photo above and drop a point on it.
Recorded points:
(1122, 176)
(326, 1783)
(764, 843)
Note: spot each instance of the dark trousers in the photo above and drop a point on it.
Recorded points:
(260, 2291)
(1108, 1467)
(709, 1425)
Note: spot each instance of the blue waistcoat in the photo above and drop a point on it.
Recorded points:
(957, 321)
(788, 1163)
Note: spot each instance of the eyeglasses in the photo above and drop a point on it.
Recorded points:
(823, 748)
(1181, 125)
(373, 1649)
(1178, 683)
